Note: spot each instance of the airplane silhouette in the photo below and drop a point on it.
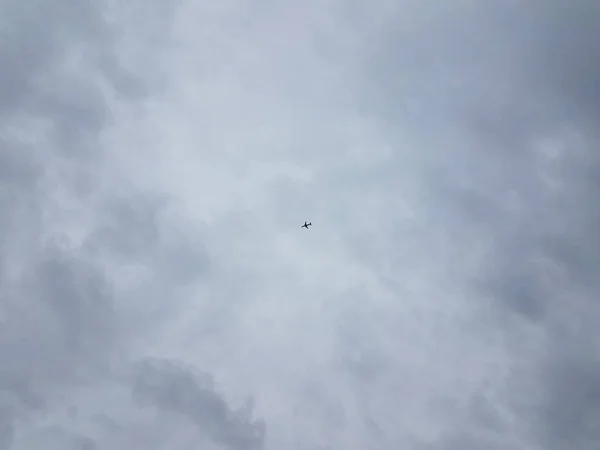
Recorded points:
(306, 225)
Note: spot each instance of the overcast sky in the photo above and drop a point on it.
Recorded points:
(158, 158)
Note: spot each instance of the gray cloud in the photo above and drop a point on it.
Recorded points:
(153, 160)
(179, 389)
(61, 307)
(525, 79)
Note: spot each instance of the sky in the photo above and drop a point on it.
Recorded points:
(157, 160)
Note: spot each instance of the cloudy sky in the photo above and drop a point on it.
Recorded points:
(158, 158)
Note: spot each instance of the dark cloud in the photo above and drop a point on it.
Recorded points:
(564, 58)
(570, 415)
(174, 387)
(58, 331)
(38, 41)
(146, 228)
(63, 318)
(61, 310)
(490, 85)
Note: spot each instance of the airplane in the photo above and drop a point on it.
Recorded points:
(306, 225)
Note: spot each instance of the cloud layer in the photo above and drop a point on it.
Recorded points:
(156, 164)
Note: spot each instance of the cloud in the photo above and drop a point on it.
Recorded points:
(156, 163)
(64, 233)
(178, 389)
